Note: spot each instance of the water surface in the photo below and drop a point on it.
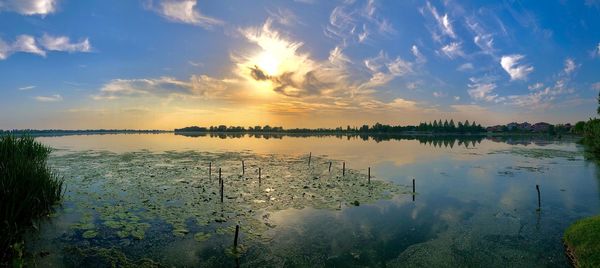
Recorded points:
(475, 202)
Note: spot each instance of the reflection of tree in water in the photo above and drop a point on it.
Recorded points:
(438, 141)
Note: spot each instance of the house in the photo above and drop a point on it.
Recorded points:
(540, 127)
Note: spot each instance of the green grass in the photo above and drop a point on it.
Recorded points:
(583, 239)
(28, 192)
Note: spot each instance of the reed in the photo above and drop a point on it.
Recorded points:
(28, 190)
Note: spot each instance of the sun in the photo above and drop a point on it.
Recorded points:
(268, 62)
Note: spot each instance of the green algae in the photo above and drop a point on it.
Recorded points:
(541, 153)
(124, 195)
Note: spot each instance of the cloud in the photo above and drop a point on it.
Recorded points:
(542, 98)
(535, 86)
(453, 50)
(63, 43)
(439, 94)
(53, 98)
(29, 7)
(443, 22)
(510, 63)
(200, 86)
(183, 11)
(596, 86)
(284, 16)
(465, 67)
(23, 43)
(356, 22)
(28, 44)
(420, 58)
(383, 69)
(27, 88)
(570, 66)
(482, 89)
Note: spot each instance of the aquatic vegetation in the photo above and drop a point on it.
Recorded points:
(582, 242)
(540, 153)
(28, 190)
(143, 195)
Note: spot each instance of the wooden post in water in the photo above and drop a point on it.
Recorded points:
(309, 157)
(537, 187)
(243, 168)
(219, 176)
(369, 175)
(259, 176)
(209, 169)
(222, 191)
(413, 195)
(344, 169)
(235, 240)
(330, 167)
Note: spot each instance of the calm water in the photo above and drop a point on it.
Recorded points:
(475, 205)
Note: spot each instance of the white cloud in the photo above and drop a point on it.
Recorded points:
(26, 87)
(53, 98)
(482, 89)
(284, 16)
(456, 98)
(443, 22)
(420, 58)
(510, 63)
(596, 86)
(439, 94)
(465, 67)
(183, 11)
(570, 66)
(29, 7)
(356, 22)
(535, 86)
(453, 50)
(63, 43)
(28, 44)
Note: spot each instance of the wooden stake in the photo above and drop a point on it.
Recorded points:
(413, 195)
(235, 240)
(537, 187)
(209, 169)
(258, 175)
(243, 168)
(369, 175)
(329, 167)
(309, 157)
(344, 169)
(222, 191)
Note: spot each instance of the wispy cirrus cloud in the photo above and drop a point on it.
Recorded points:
(443, 23)
(52, 98)
(356, 22)
(182, 11)
(29, 7)
(27, 88)
(512, 65)
(483, 89)
(453, 50)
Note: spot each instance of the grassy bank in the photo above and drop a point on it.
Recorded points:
(582, 240)
(28, 191)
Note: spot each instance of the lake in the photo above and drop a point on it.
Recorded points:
(154, 199)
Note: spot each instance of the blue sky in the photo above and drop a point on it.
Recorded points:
(170, 63)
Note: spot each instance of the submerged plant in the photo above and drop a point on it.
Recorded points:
(28, 190)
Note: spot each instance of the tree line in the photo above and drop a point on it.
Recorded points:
(437, 126)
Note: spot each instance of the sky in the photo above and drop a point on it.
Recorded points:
(164, 64)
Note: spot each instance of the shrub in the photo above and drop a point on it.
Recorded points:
(28, 190)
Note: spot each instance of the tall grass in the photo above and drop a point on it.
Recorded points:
(28, 190)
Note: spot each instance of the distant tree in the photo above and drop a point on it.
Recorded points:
(452, 126)
(598, 109)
